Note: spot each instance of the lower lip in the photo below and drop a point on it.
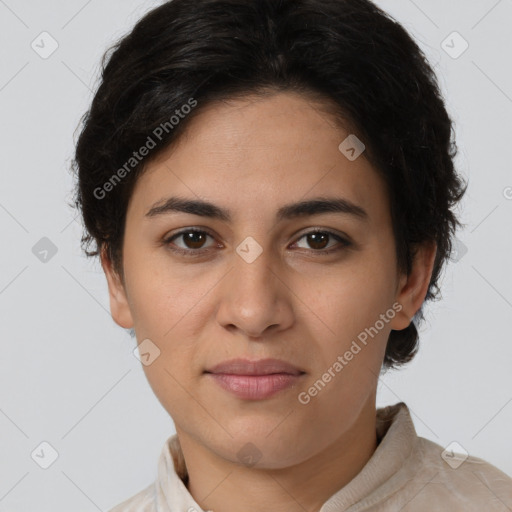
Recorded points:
(255, 387)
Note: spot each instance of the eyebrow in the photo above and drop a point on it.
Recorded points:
(315, 206)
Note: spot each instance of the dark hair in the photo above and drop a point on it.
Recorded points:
(362, 65)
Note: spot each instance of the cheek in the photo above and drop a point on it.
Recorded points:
(349, 304)
(174, 392)
(351, 298)
(164, 295)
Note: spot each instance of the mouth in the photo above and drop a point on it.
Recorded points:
(255, 380)
(262, 367)
(255, 387)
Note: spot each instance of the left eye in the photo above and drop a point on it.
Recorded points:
(317, 240)
(194, 240)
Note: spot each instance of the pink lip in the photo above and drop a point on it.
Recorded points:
(255, 380)
(260, 367)
(254, 387)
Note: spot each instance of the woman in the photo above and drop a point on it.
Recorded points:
(270, 187)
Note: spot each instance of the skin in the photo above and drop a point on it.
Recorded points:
(252, 156)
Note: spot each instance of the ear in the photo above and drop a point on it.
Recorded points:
(119, 307)
(412, 289)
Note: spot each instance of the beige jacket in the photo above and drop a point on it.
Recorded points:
(406, 473)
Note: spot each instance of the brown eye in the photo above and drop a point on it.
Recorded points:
(318, 241)
(192, 239)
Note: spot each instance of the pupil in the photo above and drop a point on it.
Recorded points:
(315, 237)
(190, 239)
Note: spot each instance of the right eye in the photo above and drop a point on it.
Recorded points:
(193, 238)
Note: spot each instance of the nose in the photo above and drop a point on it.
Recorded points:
(254, 296)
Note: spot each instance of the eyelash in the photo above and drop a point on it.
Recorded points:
(198, 252)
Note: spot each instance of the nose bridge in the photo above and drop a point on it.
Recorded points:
(253, 272)
(252, 298)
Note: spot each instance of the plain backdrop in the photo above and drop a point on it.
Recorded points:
(68, 376)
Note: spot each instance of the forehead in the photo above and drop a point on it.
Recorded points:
(256, 155)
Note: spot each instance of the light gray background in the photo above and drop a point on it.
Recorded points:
(67, 372)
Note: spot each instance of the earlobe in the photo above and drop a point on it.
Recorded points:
(119, 307)
(412, 289)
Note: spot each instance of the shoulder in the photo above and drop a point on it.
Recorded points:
(461, 480)
(143, 501)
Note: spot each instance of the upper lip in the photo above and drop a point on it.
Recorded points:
(259, 367)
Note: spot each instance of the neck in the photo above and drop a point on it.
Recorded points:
(224, 486)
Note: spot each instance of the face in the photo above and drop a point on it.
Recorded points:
(261, 285)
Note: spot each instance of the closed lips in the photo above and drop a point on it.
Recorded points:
(259, 367)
